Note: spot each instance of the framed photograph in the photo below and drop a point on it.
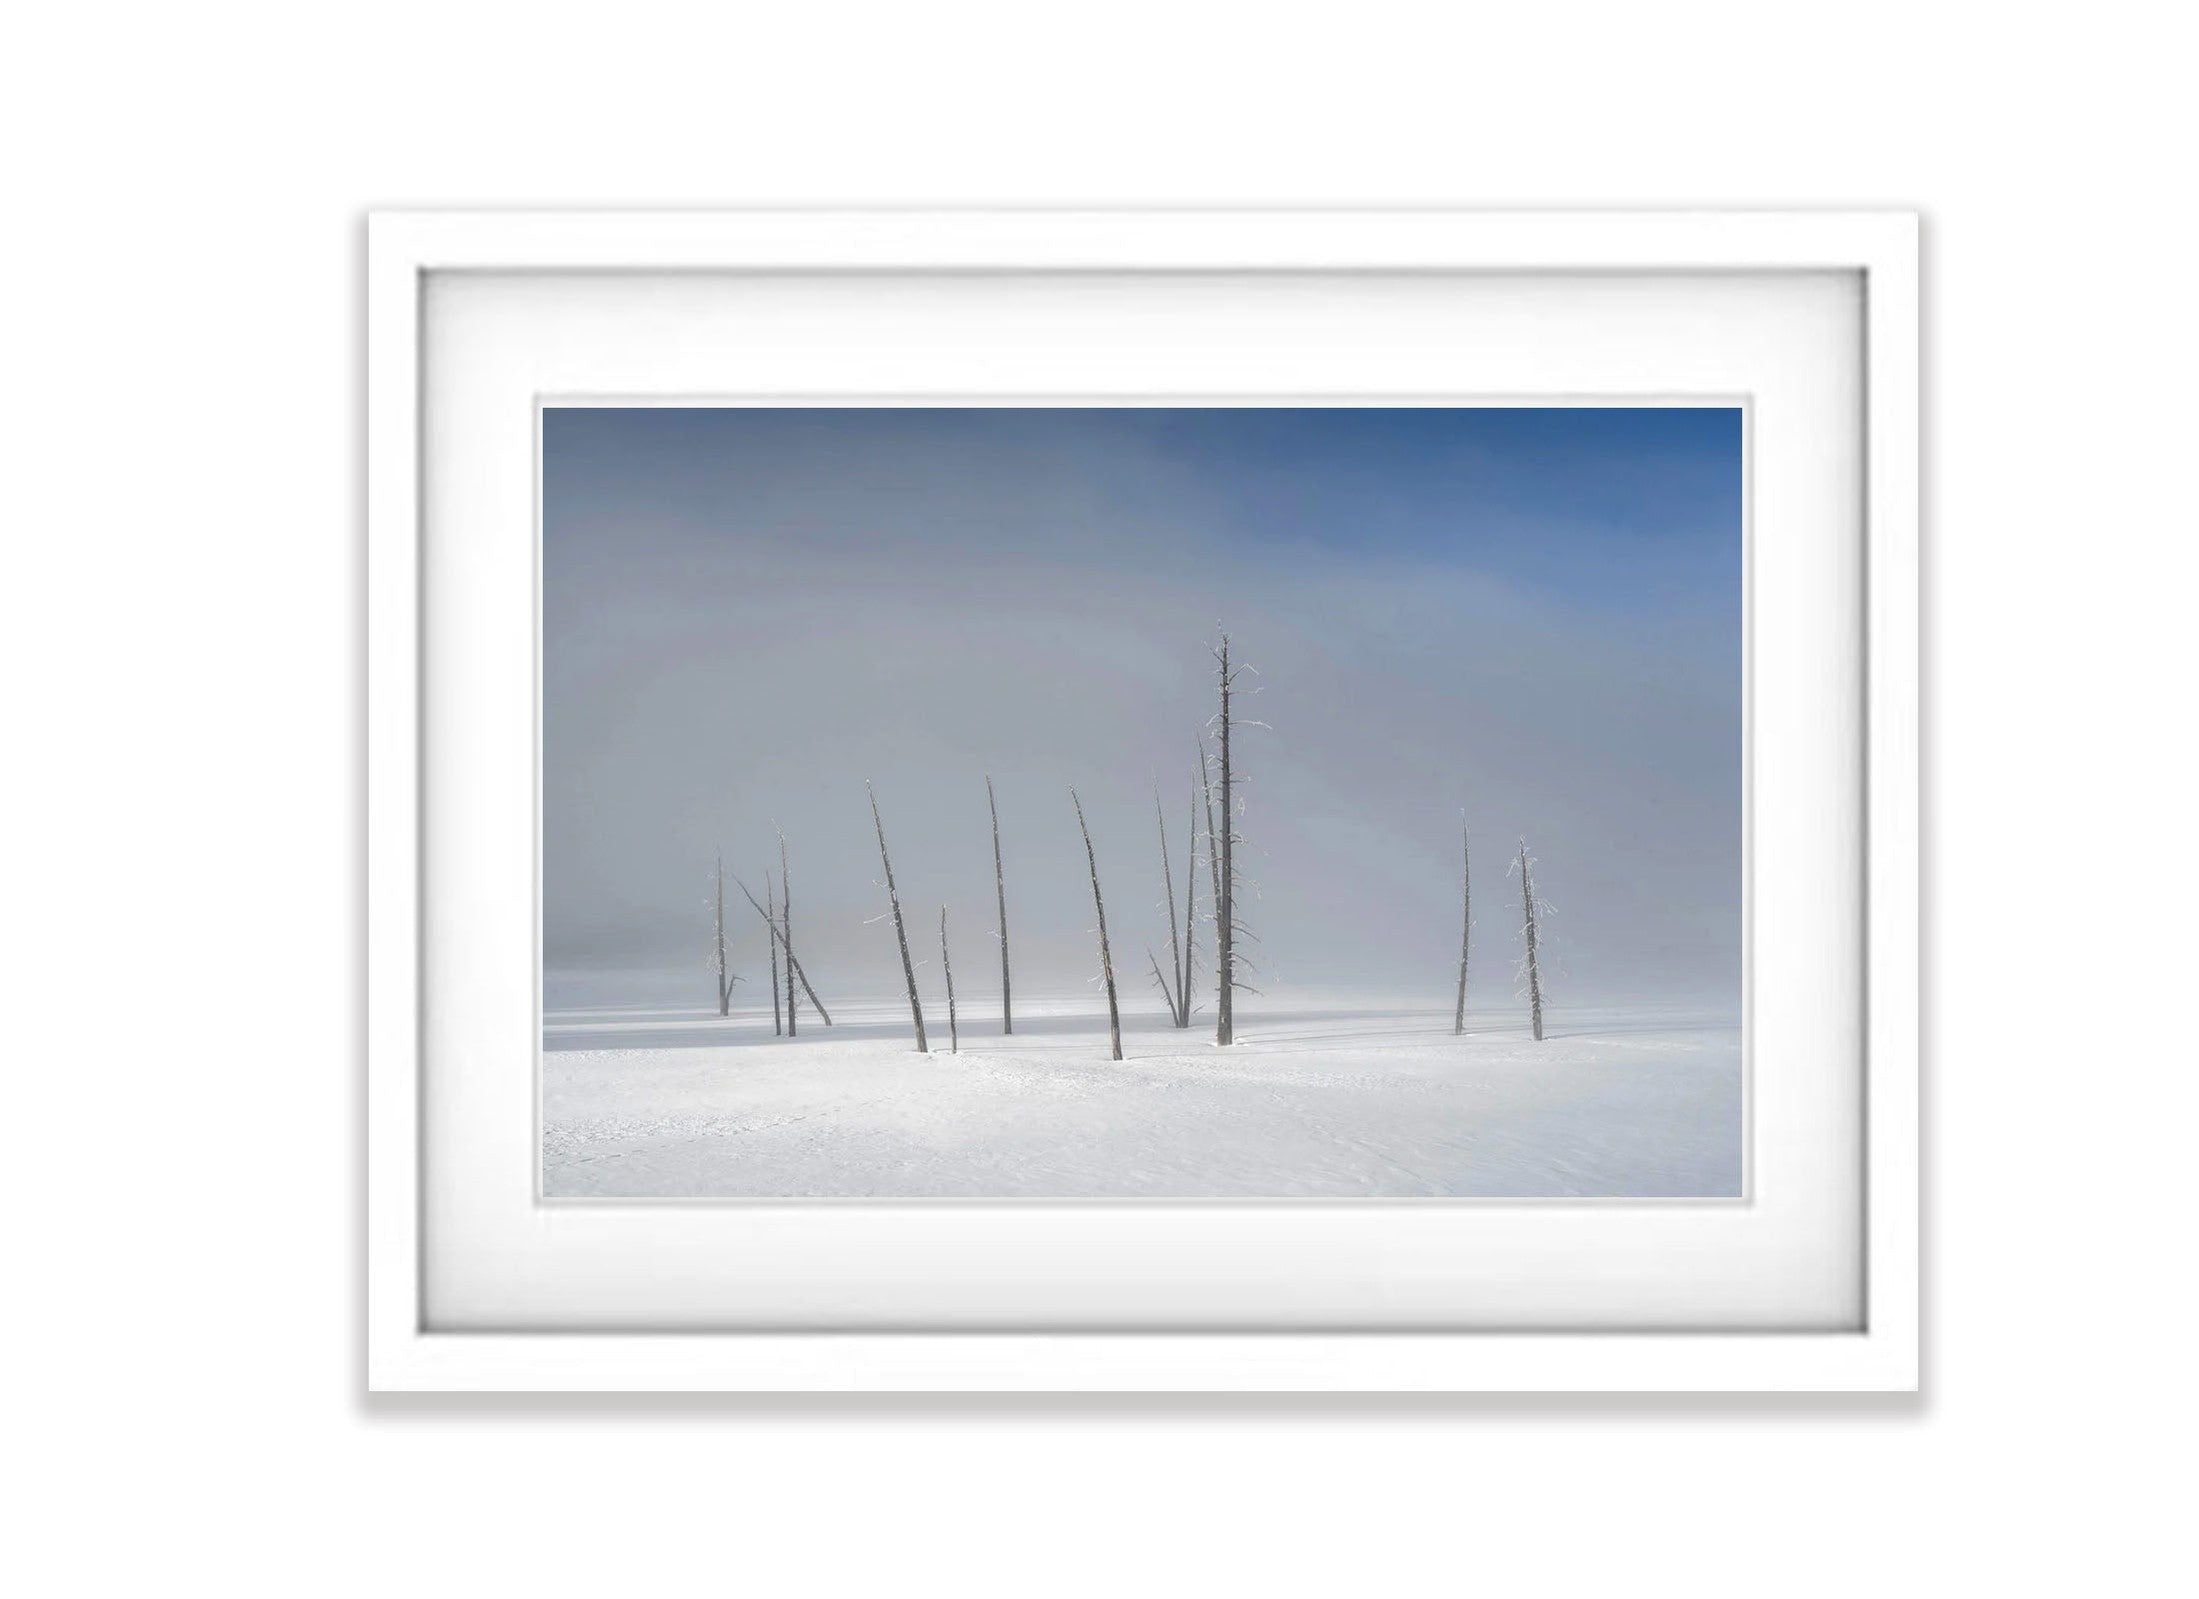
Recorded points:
(1174, 801)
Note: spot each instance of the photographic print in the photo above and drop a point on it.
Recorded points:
(1142, 802)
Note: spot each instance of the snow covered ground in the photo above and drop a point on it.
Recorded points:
(1319, 1098)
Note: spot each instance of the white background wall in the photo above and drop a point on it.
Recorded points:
(181, 654)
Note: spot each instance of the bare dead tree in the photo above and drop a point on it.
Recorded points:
(900, 932)
(1530, 964)
(1000, 899)
(1466, 915)
(1160, 981)
(772, 923)
(1190, 908)
(1227, 928)
(1178, 997)
(1226, 944)
(1213, 851)
(786, 930)
(946, 964)
(726, 979)
(1107, 959)
(771, 920)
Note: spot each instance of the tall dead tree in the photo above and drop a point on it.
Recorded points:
(786, 930)
(946, 964)
(772, 923)
(1107, 958)
(771, 920)
(1178, 997)
(1530, 964)
(1227, 928)
(900, 932)
(1000, 900)
(726, 979)
(1466, 918)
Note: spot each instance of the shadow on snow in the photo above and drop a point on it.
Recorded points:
(1293, 1032)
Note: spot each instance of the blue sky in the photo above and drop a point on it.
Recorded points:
(1632, 507)
(1533, 615)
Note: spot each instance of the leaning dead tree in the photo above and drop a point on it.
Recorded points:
(1530, 962)
(1227, 929)
(786, 931)
(1173, 987)
(1466, 917)
(771, 920)
(1107, 959)
(900, 932)
(1000, 899)
(777, 945)
(946, 965)
(726, 979)
(1160, 981)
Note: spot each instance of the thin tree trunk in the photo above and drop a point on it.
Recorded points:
(1466, 919)
(946, 964)
(771, 920)
(1161, 981)
(808, 992)
(1534, 970)
(786, 930)
(1178, 1002)
(1107, 958)
(1225, 1022)
(1213, 852)
(1190, 907)
(725, 989)
(900, 932)
(1000, 897)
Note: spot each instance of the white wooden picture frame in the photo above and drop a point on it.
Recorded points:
(548, 1314)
